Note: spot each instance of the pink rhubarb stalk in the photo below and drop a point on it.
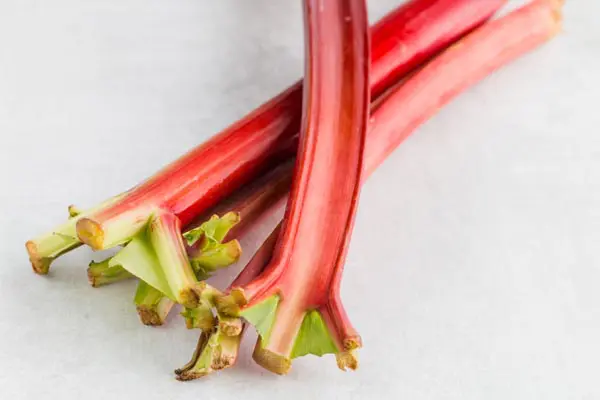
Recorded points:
(404, 108)
(301, 284)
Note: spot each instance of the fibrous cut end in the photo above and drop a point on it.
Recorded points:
(230, 326)
(232, 303)
(269, 360)
(149, 316)
(90, 233)
(102, 273)
(39, 264)
(74, 211)
(200, 317)
(347, 360)
(190, 296)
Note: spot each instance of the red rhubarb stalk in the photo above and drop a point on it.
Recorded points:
(404, 108)
(300, 286)
(470, 60)
(403, 40)
(421, 29)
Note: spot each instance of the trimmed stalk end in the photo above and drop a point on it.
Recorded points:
(188, 298)
(152, 306)
(93, 277)
(347, 360)
(231, 326)
(74, 211)
(102, 273)
(199, 318)
(150, 316)
(39, 264)
(270, 360)
(91, 233)
(186, 376)
(231, 303)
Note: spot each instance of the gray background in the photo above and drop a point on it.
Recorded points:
(474, 267)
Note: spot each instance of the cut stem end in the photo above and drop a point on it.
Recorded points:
(347, 360)
(39, 264)
(91, 233)
(232, 303)
(269, 360)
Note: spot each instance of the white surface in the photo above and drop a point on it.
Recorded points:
(474, 268)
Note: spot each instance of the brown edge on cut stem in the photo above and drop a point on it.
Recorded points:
(347, 360)
(40, 265)
(271, 361)
(231, 327)
(92, 279)
(149, 316)
(190, 296)
(202, 341)
(232, 303)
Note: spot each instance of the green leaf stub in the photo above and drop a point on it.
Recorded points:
(214, 230)
(262, 316)
(313, 337)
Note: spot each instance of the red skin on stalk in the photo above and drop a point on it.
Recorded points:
(403, 40)
(307, 264)
(396, 117)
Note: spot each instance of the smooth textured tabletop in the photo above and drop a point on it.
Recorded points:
(474, 268)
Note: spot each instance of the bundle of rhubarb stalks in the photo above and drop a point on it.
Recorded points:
(309, 149)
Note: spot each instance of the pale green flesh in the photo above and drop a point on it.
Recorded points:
(104, 274)
(62, 239)
(147, 295)
(217, 344)
(199, 317)
(214, 230)
(313, 336)
(214, 259)
(204, 363)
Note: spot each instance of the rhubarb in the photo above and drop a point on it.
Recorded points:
(147, 219)
(403, 109)
(295, 303)
(210, 172)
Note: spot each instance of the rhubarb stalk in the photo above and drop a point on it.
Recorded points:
(295, 303)
(404, 108)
